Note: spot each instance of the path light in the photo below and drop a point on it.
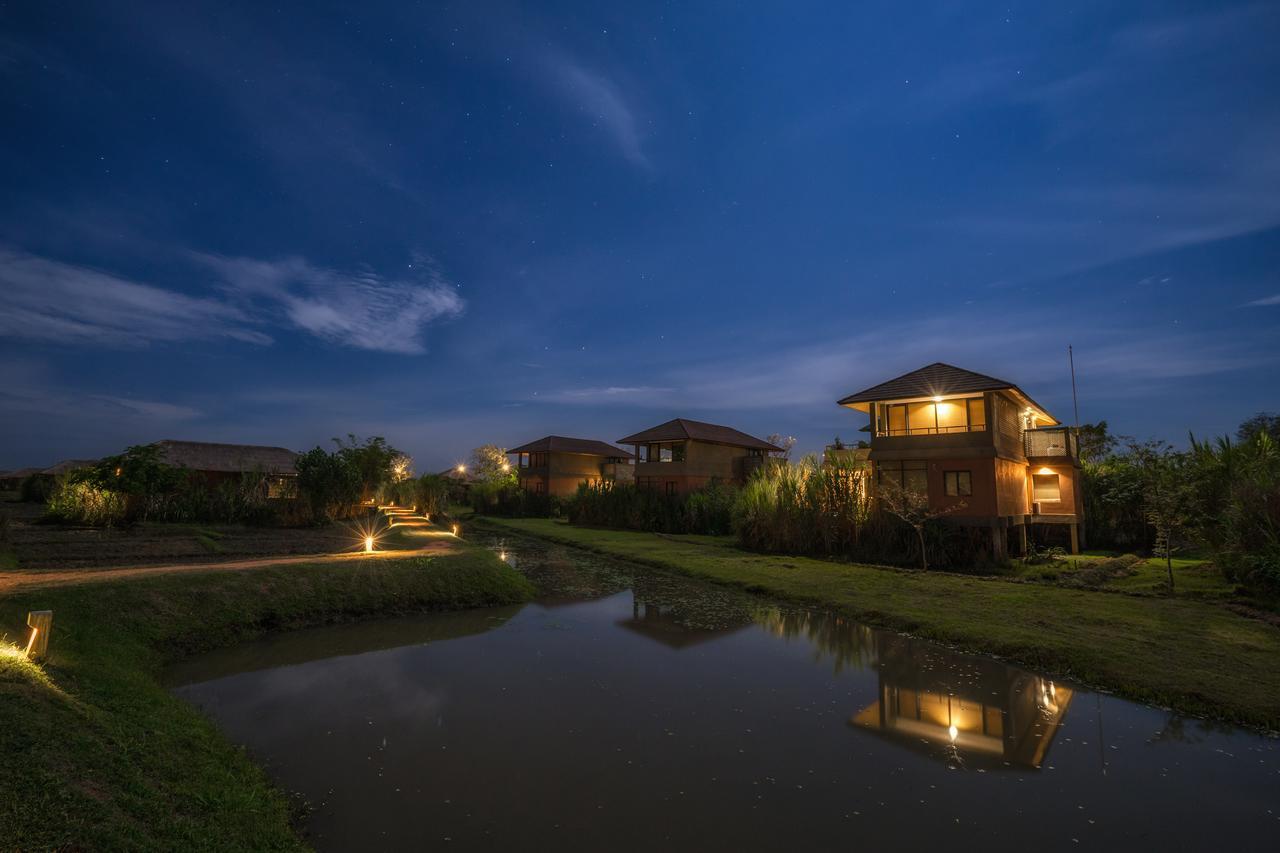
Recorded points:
(455, 530)
(953, 731)
(462, 469)
(368, 544)
(41, 621)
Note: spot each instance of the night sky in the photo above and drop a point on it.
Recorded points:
(451, 224)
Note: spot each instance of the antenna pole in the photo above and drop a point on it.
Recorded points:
(1075, 402)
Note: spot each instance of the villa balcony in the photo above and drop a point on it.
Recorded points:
(1050, 442)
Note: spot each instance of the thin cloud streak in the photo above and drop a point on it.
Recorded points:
(44, 299)
(603, 101)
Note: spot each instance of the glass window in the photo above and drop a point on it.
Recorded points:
(953, 416)
(977, 414)
(1045, 487)
(642, 453)
(671, 488)
(912, 476)
(921, 418)
(957, 484)
(677, 452)
(895, 419)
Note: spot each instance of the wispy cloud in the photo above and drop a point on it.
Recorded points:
(601, 100)
(46, 299)
(1115, 361)
(1265, 301)
(361, 309)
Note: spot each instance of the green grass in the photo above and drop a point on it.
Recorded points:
(1193, 655)
(98, 755)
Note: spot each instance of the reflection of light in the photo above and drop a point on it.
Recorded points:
(953, 731)
(32, 641)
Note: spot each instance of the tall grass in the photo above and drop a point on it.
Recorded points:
(624, 506)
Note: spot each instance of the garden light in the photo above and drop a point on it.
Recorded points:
(368, 544)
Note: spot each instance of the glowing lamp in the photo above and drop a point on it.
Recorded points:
(937, 399)
(455, 530)
(953, 731)
(368, 544)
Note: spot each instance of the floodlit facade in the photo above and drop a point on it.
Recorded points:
(682, 455)
(557, 465)
(978, 445)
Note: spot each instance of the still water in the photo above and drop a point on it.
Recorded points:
(627, 710)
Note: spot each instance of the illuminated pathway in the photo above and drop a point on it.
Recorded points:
(435, 542)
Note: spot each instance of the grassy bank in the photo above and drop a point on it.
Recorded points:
(1195, 656)
(99, 756)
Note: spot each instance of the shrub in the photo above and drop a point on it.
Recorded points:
(35, 489)
(329, 482)
(626, 507)
(79, 501)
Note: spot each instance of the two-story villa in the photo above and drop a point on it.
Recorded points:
(556, 465)
(963, 437)
(682, 455)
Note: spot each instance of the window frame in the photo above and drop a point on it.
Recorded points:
(950, 477)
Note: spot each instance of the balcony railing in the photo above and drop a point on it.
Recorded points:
(1050, 441)
(939, 430)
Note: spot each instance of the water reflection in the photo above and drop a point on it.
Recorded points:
(627, 710)
(965, 710)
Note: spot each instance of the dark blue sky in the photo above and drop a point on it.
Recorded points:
(452, 224)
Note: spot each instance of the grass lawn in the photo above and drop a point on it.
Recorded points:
(1196, 656)
(98, 755)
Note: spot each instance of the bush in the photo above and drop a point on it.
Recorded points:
(81, 502)
(35, 489)
(330, 483)
(624, 506)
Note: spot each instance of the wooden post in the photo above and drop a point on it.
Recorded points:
(1075, 539)
(1022, 539)
(41, 622)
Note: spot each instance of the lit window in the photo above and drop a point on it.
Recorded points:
(1045, 487)
(957, 484)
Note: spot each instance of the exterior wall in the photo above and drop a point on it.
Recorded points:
(1072, 502)
(562, 474)
(1011, 488)
(703, 463)
(980, 504)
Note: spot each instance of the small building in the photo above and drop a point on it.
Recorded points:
(13, 479)
(682, 455)
(222, 463)
(557, 465)
(979, 445)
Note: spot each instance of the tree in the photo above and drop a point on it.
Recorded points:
(786, 442)
(374, 461)
(140, 474)
(912, 506)
(329, 482)
(1167, 496)
(489, 464)
(1096, 443)
(1262, 422)
(401, 467)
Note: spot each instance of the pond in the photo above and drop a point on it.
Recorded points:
(626, 710)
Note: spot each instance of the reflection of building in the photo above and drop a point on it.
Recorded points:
(663, 623)
(987, 711)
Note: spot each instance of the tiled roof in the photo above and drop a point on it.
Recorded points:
(562, 444)
(682, 429)
(931, 381)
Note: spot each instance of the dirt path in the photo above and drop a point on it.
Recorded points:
(14, 581)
